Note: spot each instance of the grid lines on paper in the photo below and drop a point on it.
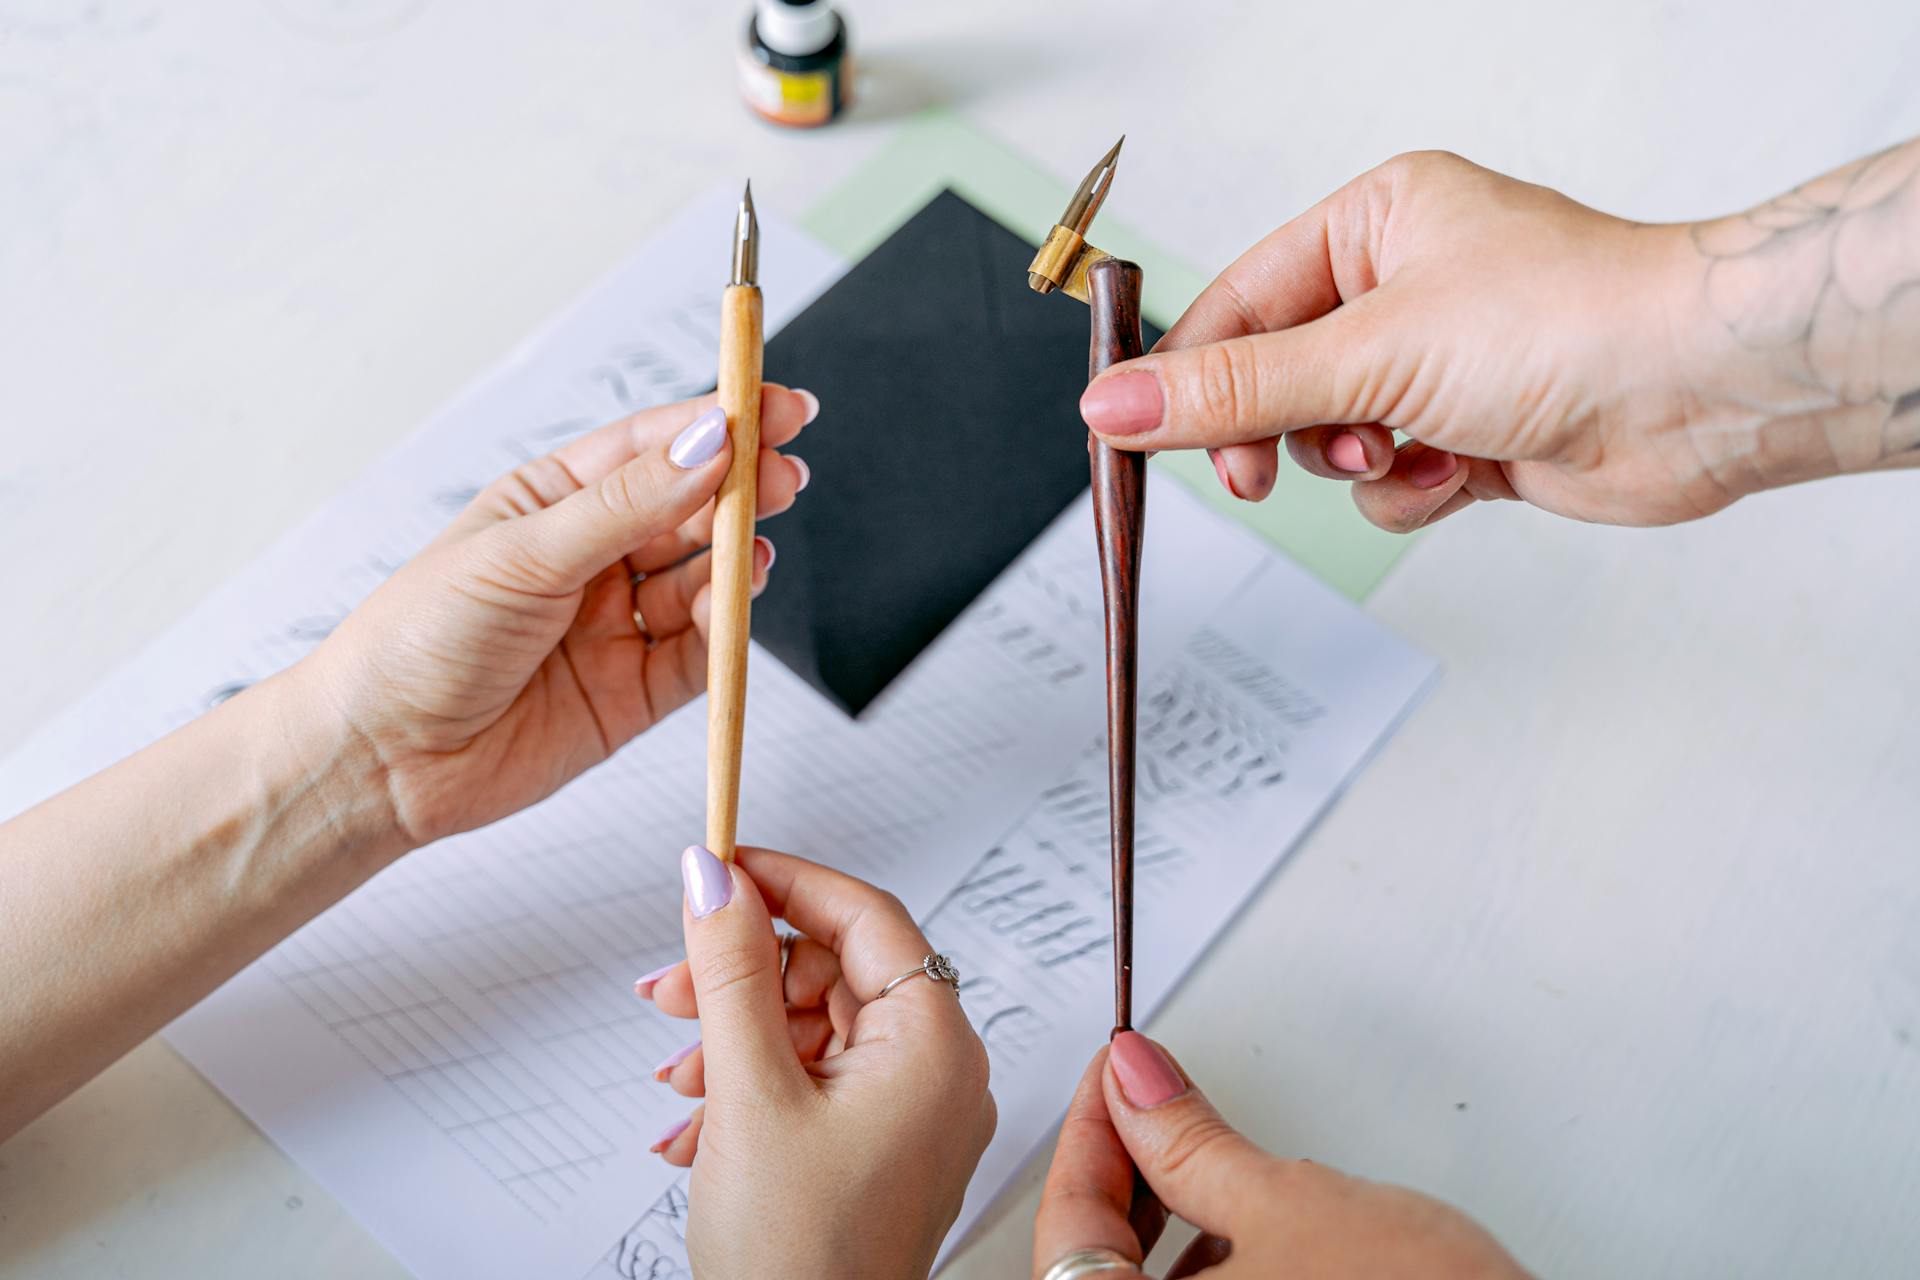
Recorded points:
(378, 1003)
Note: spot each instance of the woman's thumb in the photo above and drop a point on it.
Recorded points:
(1198, 1164)
(734, 961)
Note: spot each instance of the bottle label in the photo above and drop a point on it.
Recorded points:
(792, 98)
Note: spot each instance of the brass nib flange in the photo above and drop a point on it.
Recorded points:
(1064, 257)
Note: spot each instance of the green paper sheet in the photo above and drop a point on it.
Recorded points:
(1310, 519)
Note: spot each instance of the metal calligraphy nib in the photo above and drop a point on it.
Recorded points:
(1064, 258)
(746, 242)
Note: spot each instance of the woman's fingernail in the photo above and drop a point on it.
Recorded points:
(673, 1060)
(1220, 469)
(1123, 404)
(709, 887)
(1432, 469)
(764, 554)
(813, 407)
(1147, 1076)
(1346, 452)
(697, 445)
(668, 1134)
(806, 472)
(643, 985)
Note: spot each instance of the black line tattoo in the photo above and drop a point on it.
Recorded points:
(1825, 281)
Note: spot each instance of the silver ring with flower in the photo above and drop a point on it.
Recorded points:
(935, 966)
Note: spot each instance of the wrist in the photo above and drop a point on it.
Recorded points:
(315, 760)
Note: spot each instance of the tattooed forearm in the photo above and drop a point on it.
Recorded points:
(1824, 283)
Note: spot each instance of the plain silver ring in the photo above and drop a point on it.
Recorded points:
(1090, 1262)
(634, 580)
(935, 966)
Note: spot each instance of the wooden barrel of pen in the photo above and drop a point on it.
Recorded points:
(733, 518)
(1119, 510)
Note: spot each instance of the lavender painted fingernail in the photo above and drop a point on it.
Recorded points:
(709, 887)
(697, 445)
(643, 985)
(806, 472)
(671, 1132)
(673, 1060)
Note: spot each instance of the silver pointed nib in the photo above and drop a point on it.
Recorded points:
(746, 241)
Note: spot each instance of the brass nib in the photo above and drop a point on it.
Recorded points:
(1063, 260)
(746, 242)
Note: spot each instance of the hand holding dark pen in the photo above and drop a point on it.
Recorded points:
(1531, 348)
(1138, 1118)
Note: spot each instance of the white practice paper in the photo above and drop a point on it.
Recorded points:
(455, 1052)
(1262, 693)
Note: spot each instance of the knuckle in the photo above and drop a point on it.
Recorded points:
(630, 493)
(1419, 165)
(989, 1118)
(1221, 380)
(502, 558)
(725, 969)
(1297, 1173)
(1199, 1139)
(869, 904)
(975, 1068)
(513, 493)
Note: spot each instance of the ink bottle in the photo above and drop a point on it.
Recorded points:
(795, 70)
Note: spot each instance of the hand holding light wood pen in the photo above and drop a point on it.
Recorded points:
(733, 515)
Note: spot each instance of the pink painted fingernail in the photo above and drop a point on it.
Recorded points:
(806, 473)
(813, 407)
(668, 1134)
(1346, 452)
(1432, 469)
(697, 445)
(1124, 404)
(674, 1059)
(1221, 470)
(709, 886)
(643, 985)
(1147, 1076)
(764, 554)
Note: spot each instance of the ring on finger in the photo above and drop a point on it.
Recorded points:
(936, 966)
(1091, 1262)
(639, 620)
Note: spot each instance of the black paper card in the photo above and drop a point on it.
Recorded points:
(949, 436)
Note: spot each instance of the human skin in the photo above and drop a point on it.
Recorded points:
(1259, 1215)
(1528, 347)
(495, 666)
(838, 1130)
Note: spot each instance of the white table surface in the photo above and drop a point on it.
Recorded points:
(1617, 945)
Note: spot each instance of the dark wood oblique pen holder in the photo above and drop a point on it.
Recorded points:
(1119, 511)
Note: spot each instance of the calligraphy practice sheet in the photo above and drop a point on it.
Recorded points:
(1262, 693)
(455, 1051)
